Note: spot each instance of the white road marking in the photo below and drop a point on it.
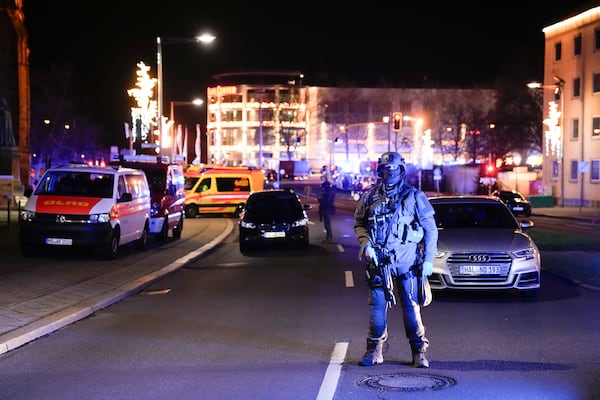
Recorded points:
(349, 278)
(232, 264)
(334, 369)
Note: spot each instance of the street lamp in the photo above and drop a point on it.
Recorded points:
(195, 102)
(558, 88)
(204, 38)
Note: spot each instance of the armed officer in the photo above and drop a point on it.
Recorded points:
(395, 226)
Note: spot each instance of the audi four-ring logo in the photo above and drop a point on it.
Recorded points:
(479, 258)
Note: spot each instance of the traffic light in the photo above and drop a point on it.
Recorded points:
(397, 121)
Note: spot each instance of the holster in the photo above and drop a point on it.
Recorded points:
(424, 295)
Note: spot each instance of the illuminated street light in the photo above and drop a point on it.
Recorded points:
(195, 102)
(204, 38)
(555, 117)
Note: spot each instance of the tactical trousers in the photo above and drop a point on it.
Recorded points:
(407, 301)
(327, 225)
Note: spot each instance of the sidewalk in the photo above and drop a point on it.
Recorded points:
(590, 214)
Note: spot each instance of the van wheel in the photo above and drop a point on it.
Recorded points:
(179, 228)
(141, 243)
(191, 211)
(164, 232)
(112, 249)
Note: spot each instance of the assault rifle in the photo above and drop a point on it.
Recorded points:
(378, 275)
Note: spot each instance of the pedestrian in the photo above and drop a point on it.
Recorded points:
(327, 208)
(7, 137)
(396, 230)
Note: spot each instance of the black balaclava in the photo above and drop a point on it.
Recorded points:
(391, 170)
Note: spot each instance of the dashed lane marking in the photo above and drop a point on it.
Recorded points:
(349, 278)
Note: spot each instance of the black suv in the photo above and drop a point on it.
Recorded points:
(516, 202)
(275, 216)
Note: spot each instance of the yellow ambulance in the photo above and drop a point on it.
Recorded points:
(219, 190)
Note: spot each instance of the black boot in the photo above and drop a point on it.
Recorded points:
(374, 353)
(419, 360)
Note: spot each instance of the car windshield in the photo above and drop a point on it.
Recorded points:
(510, 195)
(274, 204)
(473, 215)
(76, 183)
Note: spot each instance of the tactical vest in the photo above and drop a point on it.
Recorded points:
(396, 237)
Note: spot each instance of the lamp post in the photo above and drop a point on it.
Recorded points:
(387, 119)
(558, 88)
(204, 38)
(195, 102)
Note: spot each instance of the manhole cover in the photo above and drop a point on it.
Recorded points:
(406, 382)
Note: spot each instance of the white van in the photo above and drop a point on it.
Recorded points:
(100, 208)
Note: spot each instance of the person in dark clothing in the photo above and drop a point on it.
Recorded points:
(396, 230)
(327, 208)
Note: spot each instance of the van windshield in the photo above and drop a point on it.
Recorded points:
(189, 182)
(76, 183)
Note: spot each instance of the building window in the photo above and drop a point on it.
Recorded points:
(577, 45)
(575, 129)
(557, 51)
(555, 170)
(595, 171)
(597, 39)
(576, 87)
(574, 165)
(596, 83)
(595, 127)
(231, 98)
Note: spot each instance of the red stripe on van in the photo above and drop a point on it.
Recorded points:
(65, 205)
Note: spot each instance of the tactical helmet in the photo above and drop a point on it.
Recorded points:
(390, 158)
(391, 168)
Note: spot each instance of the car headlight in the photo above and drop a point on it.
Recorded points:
(527, 254)
(300, 222)
(99, 218)
(27, 215)
(441, 254)
(247, 224)
(154, 209)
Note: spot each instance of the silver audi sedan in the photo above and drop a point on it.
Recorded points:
(481, 245)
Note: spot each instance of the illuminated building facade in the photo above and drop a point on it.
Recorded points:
(571, 143)
(260, 119)
(258, 122)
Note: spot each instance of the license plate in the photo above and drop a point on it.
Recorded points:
(271, 235)
(59, 241)
(518, 208)
(479, 270)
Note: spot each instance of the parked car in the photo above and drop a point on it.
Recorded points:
(482, 245)
(516, 202)
(273, 217)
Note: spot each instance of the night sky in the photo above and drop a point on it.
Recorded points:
(374, 45)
